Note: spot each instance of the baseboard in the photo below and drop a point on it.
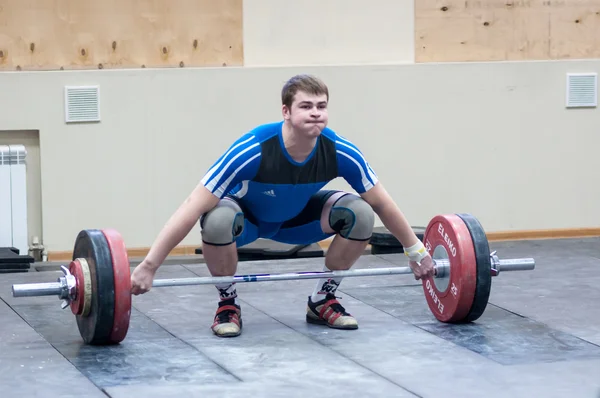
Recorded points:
(492, 237)
(133, 252)
(534, 234)
(537, 234)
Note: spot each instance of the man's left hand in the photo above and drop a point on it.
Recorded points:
(424, 270)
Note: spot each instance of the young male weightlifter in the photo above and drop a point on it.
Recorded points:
(268, 184)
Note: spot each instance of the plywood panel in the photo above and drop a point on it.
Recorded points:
(497, 30)
(575, 30)
(330, 32)
(78, 34)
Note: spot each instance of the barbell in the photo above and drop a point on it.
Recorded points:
(97, 286)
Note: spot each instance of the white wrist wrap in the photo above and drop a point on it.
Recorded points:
(416, 252)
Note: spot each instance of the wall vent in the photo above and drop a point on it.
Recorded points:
(582, 90)
(82, 104)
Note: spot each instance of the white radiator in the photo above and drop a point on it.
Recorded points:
(13, 198)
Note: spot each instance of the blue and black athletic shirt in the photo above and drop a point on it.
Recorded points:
(257, 170)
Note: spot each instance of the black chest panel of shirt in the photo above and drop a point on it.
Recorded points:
(276, 168)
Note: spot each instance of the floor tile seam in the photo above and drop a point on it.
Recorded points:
(418, 327)
(330, 348)
(188, 344)
(489, 303)
(141, 313)
(544, 324)
(325, 346)
(101, 389)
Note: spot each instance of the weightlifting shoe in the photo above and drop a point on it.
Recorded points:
(329, 312)
(228, 319)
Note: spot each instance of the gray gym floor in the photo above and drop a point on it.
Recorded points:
(539, 337)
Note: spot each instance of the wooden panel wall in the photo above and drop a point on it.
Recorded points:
(496, 30)
(81, 34)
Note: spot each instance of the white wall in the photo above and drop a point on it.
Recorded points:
(442, 137)
(315, 32)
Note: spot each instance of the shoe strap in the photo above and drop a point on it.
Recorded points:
(335, 306)
(230, 307)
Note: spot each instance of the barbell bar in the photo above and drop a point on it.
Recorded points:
(60, 288)
(97, 283)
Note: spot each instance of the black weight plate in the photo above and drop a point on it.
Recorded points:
(312, 250)
(381, 236)
(96, 328)
(266, 249)
(15, 265)
(11, 255)
(377, 249)
(484, 267)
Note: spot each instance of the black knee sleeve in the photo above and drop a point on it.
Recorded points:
(223, 224)
(352, 218)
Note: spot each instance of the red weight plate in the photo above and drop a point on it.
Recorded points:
(122, 277)
(453, 302)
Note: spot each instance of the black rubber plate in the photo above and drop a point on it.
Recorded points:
(383, 237)
(15, 265)
(266, 249)
(484, 267)
(10, 255)
(95, 329)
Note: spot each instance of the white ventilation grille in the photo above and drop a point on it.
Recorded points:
(82, 104)
(582, 90)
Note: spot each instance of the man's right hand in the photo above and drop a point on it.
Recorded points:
(141, 278)
(200, 201)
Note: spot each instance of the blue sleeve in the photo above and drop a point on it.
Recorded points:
(353, 167)
(239, 163)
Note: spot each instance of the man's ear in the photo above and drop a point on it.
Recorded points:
(285, 111)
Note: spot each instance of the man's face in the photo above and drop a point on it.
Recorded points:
(308, 115)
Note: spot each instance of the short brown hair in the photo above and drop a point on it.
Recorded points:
(307, 83)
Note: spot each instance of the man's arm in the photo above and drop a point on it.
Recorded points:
(395, 221)
(239, 162)
(355, 169)
(200, 201)
(390, 214)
